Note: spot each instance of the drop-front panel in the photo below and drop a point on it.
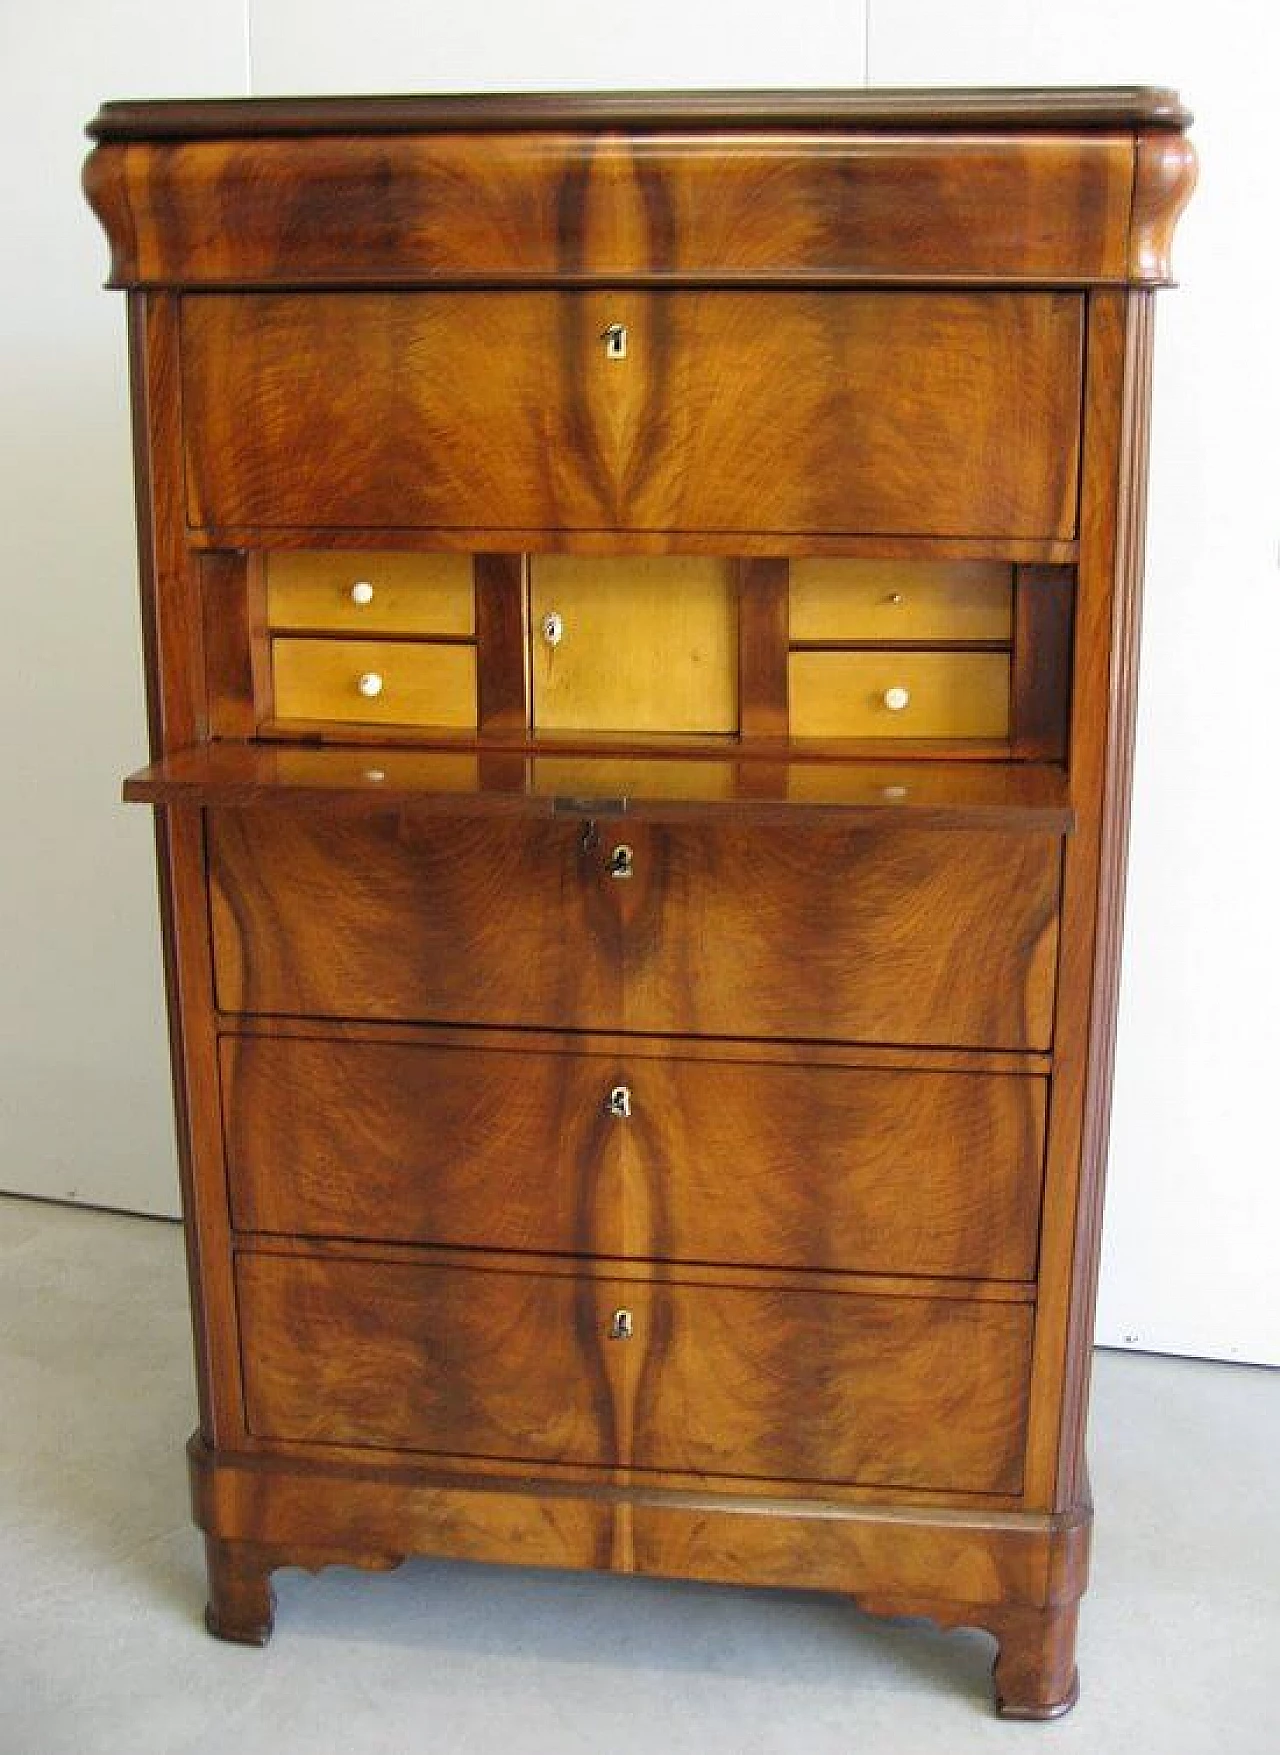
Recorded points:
(639, 597)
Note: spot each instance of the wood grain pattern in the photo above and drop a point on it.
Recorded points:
(902, 937)
(792, 1166)
(1044, 617)
(947, 414)
(563, 205)
(840, 935)
(821, 1386)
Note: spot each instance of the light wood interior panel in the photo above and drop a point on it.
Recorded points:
(901, 600)
(412, 593)
(950, 694)
(649, 643)
(422, 683)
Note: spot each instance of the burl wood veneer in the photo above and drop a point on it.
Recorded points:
(640, 598)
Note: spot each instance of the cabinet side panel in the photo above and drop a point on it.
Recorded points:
(1100, 740)
(176, 712)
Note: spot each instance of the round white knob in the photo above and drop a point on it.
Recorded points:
(896, 699)
(362, 592)
(370, 685)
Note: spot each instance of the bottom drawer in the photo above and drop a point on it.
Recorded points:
(713, 1380)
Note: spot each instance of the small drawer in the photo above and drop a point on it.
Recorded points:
(370, 591)
(899, 694)
(782, 1384)
(634, 643)
(375, 682)
(862, 601)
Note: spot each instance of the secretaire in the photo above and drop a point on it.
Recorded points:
(640, 599)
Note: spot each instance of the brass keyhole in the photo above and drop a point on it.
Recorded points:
(615, 341)
(622, 861)
(618, 1102)
(621, 1325)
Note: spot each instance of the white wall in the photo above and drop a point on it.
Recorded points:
(1193, 1202)
(84, 1105)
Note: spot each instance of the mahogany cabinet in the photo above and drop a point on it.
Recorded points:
(640, 598)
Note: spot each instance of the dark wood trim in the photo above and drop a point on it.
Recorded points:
(1043, 599)
(763, 619)
(872, 1057)
(502, 668)
(1053, 551)
(228, 644)
(1039, 109)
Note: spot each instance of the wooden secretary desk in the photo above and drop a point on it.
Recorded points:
(640, 598)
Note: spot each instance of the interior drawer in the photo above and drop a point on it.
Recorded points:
(369, 591)
(713, 1380)
(892, 694)
(826, 1167)
(375, 682)
(929, 601)
(822, 933)
(725, 411)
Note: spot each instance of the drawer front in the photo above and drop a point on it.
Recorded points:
(452, 921)
(375, 682)
(714, 1380)
(940, 413)
(826, 934)
(634, 643)
(928, 601)
(899, 694)
(751, 1163)
(350, 591)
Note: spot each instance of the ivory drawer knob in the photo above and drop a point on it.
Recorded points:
(370, 685)
(362, 592)
(895, 699)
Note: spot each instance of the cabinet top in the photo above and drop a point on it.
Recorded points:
(1044, 109)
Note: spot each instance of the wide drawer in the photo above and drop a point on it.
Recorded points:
(942, 938)
(714, 1380)
(618, 1154)
(926, 413)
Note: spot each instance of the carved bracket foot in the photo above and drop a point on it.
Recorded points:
(1035, 1668)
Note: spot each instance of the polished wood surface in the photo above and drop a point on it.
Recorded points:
(760, 789)
(947, 694)
(948, 414)
(710, 1380)
(395, 592)
(647, 643)
(904, 937)
(935, 603)
(657, 998)
(822, 1167)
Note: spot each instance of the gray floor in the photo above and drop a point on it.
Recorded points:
(101, 1647)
